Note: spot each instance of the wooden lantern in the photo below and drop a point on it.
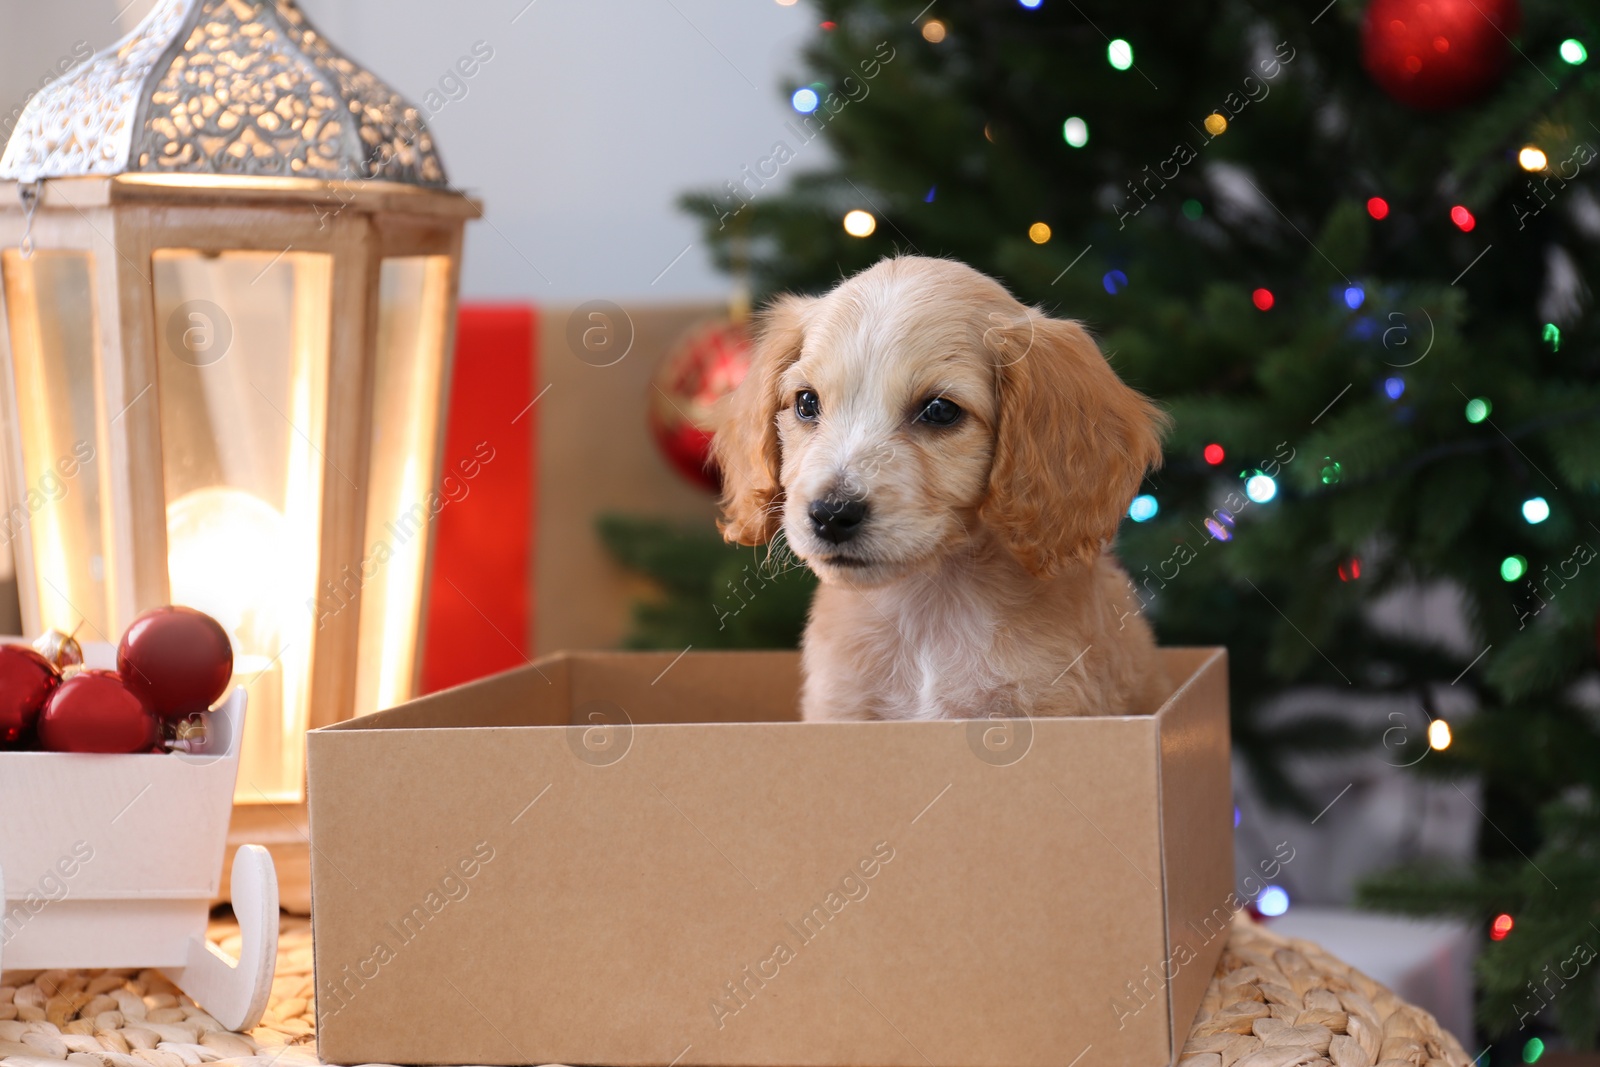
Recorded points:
(230, 259)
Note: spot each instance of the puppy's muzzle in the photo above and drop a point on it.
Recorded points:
(837, 519)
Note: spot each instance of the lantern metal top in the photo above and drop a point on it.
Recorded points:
(223, 87)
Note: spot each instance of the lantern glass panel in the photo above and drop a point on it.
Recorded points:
(402, 500)
(242, 370)
(50, 300)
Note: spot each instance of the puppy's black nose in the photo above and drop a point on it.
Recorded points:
(837, 519)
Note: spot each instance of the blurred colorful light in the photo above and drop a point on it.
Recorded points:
(1438, 735)
(1274, 900)
(859, 223)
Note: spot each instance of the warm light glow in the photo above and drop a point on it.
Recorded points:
(1378, 207)
(243, 449)
(1039, 233)
(1216, 124)
(932, 31)
(54, 345)
(860, 223)
(1501, 927)
(1214, 453)
(1532, 158)
(1438, 735)
(413, 317)
(401, 589)
(1262, 299)
(226, 557)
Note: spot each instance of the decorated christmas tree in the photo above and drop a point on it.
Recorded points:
(1347, 249)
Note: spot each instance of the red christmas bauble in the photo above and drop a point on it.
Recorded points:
(1434, 55)
(26, 681)
(97, 711)
(177, 658)
(710, 361)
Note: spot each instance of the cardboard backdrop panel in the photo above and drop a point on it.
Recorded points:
(596, 455)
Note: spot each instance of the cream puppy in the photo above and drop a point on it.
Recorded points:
(953, 466)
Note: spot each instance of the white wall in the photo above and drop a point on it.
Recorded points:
(579, 134)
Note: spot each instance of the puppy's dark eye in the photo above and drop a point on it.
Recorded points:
(806, 405)
(940, 412)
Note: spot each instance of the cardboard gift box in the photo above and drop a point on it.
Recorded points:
(642, 859)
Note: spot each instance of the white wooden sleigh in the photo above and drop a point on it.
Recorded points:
(113, 861)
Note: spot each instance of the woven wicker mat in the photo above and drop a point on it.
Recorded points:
(1271, 1003)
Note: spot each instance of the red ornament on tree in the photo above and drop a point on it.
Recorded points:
(26, 681)
(1434, 55)
(704, 367)
(96, 711)
(178, 659)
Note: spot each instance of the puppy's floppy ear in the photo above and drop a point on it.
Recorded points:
(746, 442)
(1072, 444)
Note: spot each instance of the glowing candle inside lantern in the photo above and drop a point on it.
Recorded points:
(228, 555)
